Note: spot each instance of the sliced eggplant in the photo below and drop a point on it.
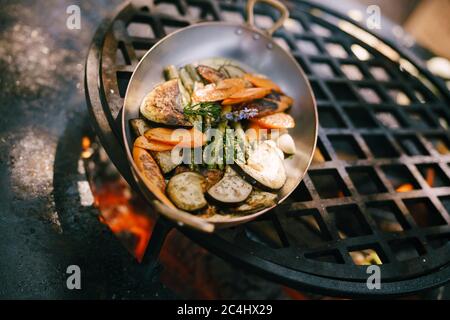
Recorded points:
(212, 176)
(264, 166)
(165, 104)
(210, 74)
(139, 126)
(165, 161)
(232, 71)
(186, 191)
(257, 200)
(231, 188)
(268, 105)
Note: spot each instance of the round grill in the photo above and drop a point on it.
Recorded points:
(378, 190)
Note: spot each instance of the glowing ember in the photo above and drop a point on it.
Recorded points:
(86, 147)
(406, 187)
(430, 176)
(124, 216)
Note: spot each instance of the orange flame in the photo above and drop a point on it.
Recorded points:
(122, 215)
(430, 176)
(406, 187)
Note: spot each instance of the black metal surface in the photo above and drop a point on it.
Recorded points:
(372, 140)
(46, 222)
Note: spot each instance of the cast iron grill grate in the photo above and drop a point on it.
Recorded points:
(378, 188)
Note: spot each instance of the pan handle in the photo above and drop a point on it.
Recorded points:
(183, 218)
(274, 3)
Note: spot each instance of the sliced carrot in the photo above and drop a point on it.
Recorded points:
(247, 94)
(192, 138)
(151, 175)
(275, 121)
(149, 169)
(153, 145)
(220, 91)
(261, 82)
(237, 83)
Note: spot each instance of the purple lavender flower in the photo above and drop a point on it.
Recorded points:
(242, 114)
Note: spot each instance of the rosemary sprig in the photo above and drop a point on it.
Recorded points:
(205, 109)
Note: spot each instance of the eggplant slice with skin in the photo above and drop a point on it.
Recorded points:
(270, 104)
(265, 166)
(186, 190)
(231, 189)
(165, 104)
(165, 160)
(211, 75)
(256, 201)
(139, 126)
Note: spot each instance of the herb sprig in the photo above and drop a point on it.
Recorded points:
(205, 109)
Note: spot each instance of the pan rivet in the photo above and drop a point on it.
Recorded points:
(256, 36)
(269, 46)
(239, 31)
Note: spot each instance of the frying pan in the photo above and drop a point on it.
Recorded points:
(251, 47)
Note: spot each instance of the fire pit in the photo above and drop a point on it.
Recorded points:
(378, 190)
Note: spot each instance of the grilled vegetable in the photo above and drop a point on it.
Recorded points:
(255, 132)
(170, 72)
(220, 91)
(212, 176)
(139, 126)
(261, 82)
(165, 161)
(211, 75)
(257, 200)
(213, 153)
(186, 79)
(272, 103)
(153, 145)
(264, 166)
(237, 83)
(164, 104)
(286, 143)
(193, 73)
(246, 95)
(274, 145)
(232, 71)
(186, 191)
(149, 168)
(275, 121)
(205, 109)
(181, 137)
(231, 188)
(240, 143)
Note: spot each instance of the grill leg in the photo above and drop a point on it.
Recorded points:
(147, 272)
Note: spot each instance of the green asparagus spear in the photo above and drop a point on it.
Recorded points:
(170, 72)
(193, 73)
(186, 79)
